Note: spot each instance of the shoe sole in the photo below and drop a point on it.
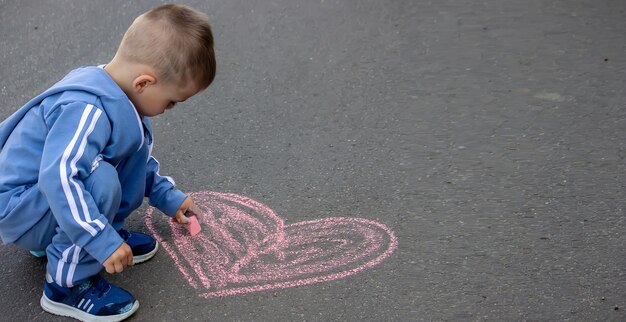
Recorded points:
(142, 258)
(72, 312)
(39, 253)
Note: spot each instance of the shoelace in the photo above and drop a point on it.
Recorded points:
(124, 234)
(100, 286)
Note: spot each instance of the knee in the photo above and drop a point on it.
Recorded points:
(104, 186)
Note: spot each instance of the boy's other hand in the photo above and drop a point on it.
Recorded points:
(121, 258)
(180, 217)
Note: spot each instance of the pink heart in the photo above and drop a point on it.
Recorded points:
(245, 247)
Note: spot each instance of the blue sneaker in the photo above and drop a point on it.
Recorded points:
(143, 246)
(93, 300)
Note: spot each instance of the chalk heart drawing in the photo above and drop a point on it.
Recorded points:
(245, 247)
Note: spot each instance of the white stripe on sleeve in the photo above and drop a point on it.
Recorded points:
(79, 153)
(63, 173)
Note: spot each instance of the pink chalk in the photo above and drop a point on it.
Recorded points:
(193, 226)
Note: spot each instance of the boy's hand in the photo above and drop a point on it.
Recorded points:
(121, 258)
(180, 217)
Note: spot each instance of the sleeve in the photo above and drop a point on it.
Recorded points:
(161, 190)
(78, 132)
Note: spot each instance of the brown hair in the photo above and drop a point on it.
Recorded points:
(176, 41)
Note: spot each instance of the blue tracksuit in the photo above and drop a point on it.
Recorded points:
(74, 163)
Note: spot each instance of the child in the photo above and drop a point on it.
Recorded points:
(76, 161)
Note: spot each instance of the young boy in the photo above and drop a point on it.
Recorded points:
(76, 161)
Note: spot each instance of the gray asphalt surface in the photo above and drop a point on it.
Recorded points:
(488, 135)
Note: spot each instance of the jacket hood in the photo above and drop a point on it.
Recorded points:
(94, 85)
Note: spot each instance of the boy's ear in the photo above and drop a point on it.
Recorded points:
(142, 81)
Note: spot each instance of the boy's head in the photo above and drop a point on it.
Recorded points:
(165, 57)
(176, 41)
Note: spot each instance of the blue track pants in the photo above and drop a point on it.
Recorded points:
(68, 263)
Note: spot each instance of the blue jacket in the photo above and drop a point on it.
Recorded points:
(51, 144)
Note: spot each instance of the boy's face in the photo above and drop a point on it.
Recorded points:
(154, 99)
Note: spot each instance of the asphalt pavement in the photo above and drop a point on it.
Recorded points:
(485, 138)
